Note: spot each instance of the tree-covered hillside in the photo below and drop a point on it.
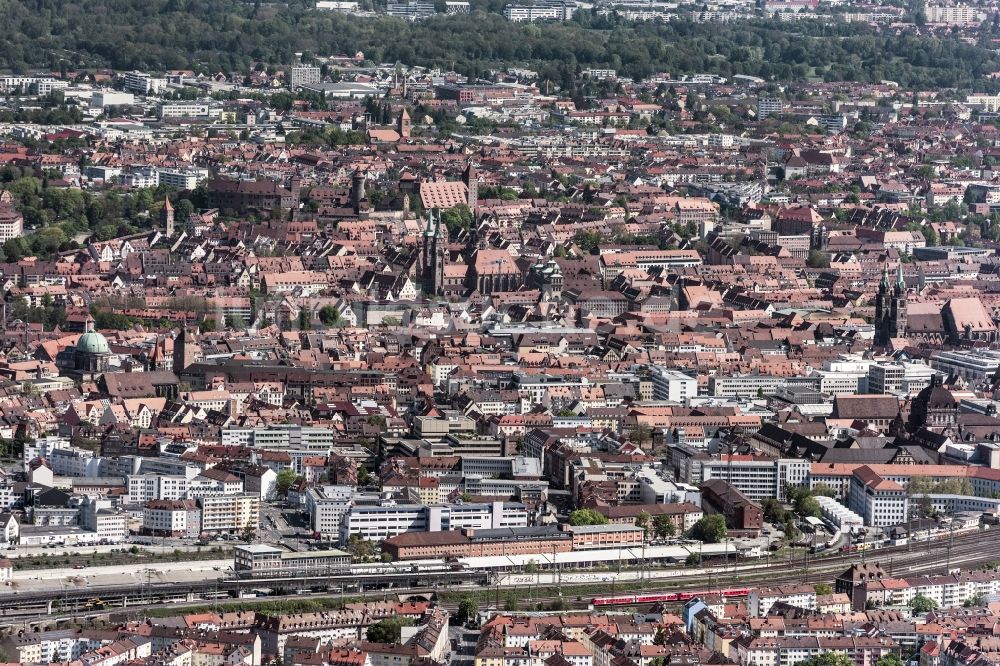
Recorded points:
(226, 35)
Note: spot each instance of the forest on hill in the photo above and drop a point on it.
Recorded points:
(227, 35)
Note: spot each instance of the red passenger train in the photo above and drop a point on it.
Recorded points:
(666, 596)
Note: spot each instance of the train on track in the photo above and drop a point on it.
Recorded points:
(630, 599)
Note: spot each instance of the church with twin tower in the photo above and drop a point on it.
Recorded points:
(890, 308)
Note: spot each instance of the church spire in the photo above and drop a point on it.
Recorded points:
(900, 282)
(884, 284)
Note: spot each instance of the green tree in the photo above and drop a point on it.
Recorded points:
(921, 604)
(364, 476)
(642, 520)
(457, 218)
(587, 517)
(818, 259)
(809, 507)
(286, 478)
(823, 589)
(388, 631)
(773, 511)
(710, 529)
(329, 315)
(468, 609)
(828, 659)
(663, 526)
(889, 660)
(248, 533)
(693, 560)
(976, 599)
(588, 240)
(182, 211)
(359, 548)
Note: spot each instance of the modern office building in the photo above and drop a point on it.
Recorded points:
(263, 561)
(673, 385)
(304, 76)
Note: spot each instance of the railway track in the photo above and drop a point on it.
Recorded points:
(931, 557)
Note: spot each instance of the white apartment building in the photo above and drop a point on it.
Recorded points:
(757, 477)
(11, 224)
(103, 98)
(898, 378)
(948, 591)
(673, 385)
(345, 6)
(175, 518)
(185, 179)
(770, 106)
(281, 437)
(143, 488)
(144, 84)
(327, 507)
(43, 448)
(841, 383)
(953, 14)
(989, 103)
(74, 462)
(885, 378)
(733, 386)
(540, 10)
(880, 502)
(229, 513)
(763, 598)
(189, 110)
(36, 85)
(377, 523)
(213, 482)
(304, 76)
(99, 516)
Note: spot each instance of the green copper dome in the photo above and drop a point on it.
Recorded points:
(93, 342)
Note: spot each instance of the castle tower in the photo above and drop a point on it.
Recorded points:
(357, 190)
(187, 351)
(403, 124)
(471, 180)
(167, 217)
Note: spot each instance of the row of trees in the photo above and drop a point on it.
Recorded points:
(221, 35)
(710, 529)
(842, 659)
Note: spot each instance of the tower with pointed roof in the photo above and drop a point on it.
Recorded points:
(403, 124)
(167, 217)
(471, 180)
(890, 308)
(187, 350)
(433, 256)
